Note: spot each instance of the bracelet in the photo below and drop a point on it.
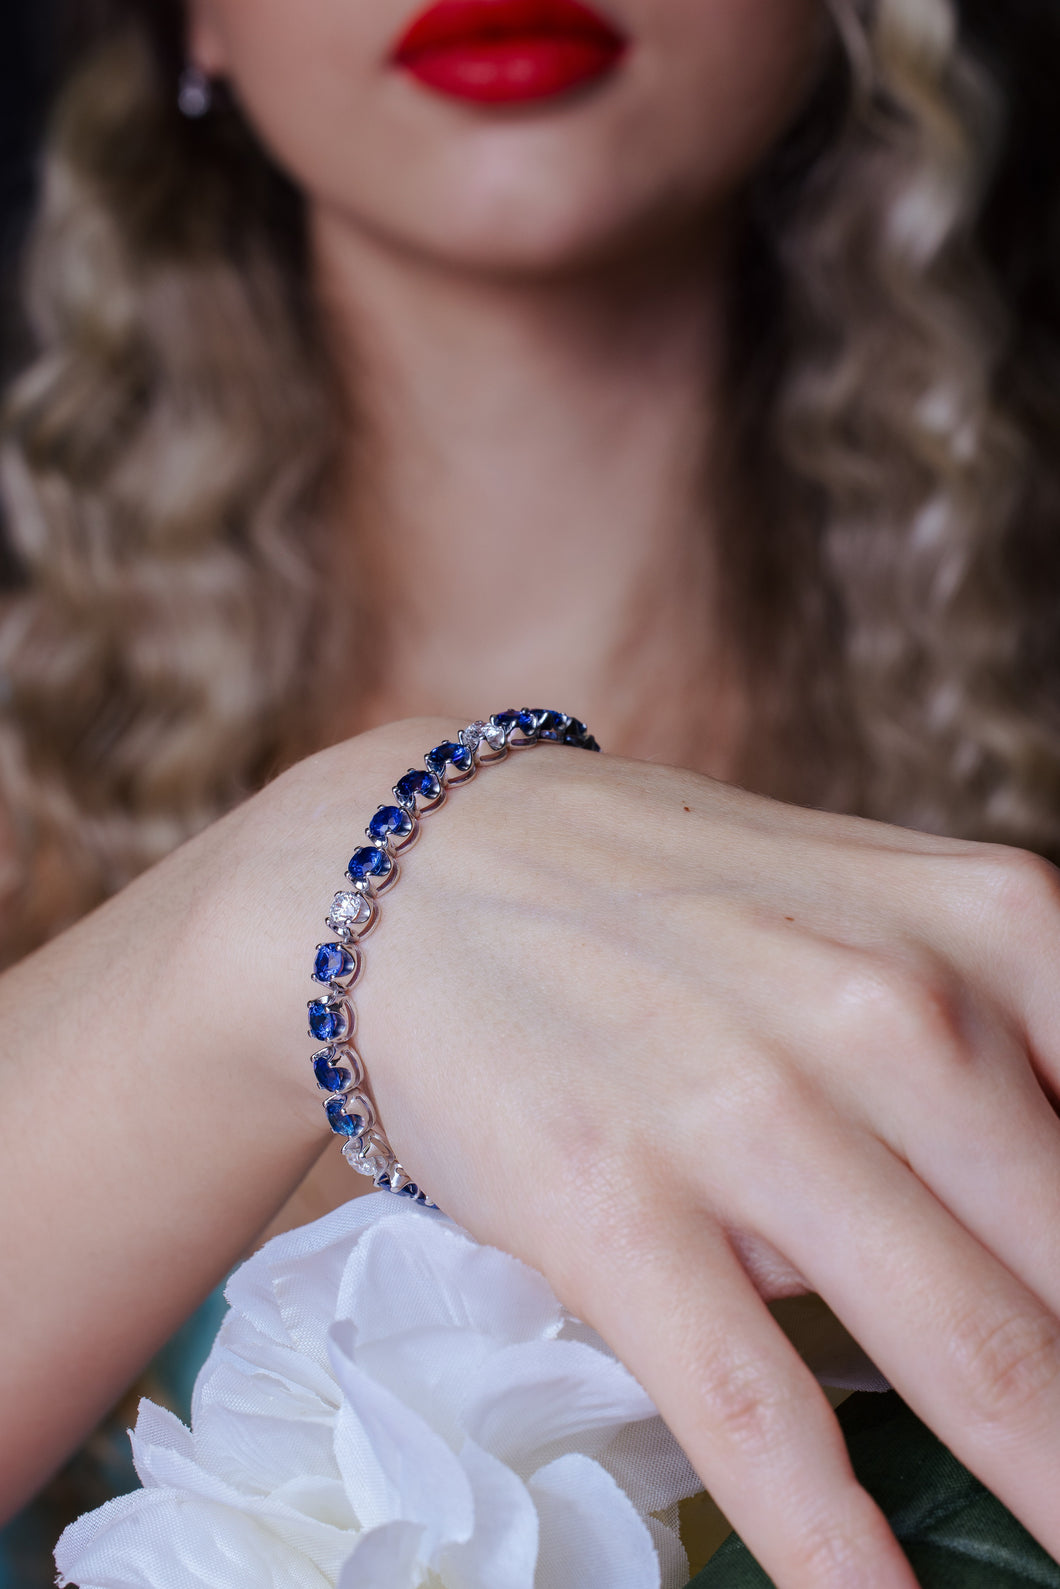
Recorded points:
(373, 868)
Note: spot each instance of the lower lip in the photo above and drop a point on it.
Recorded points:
(511, 70)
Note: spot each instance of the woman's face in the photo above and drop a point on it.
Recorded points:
(662, 135)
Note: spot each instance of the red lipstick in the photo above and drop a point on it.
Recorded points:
(505, 51)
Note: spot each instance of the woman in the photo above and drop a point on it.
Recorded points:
(409, 381)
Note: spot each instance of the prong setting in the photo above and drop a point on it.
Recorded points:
(373, 869)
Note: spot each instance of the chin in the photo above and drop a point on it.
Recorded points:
(544, 228)
(527, 244)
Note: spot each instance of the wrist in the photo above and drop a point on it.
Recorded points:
(284, 856)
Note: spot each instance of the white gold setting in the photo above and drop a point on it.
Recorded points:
(355, 913)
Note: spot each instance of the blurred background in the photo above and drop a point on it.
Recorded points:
(1021, 236)
(28, 31)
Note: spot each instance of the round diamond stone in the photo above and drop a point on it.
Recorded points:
(365, 1163)
(348, 911)
(475, 733)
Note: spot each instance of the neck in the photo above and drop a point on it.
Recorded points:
(531, 491)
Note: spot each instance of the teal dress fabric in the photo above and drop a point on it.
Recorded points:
(103, 1467)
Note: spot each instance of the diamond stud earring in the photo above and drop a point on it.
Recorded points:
(194, 93)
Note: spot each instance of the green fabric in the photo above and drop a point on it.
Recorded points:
(954, 1532)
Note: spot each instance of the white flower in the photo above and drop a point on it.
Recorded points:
(389, 1405)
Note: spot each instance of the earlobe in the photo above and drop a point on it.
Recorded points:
(205, 39)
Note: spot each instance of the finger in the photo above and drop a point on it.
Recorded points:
(973, 1351)
(669, 1295)
(998, 911)
(945, 1079)
(1006, 1191)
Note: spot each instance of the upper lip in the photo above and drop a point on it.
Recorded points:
(455, 22)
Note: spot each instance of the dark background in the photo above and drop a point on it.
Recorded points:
(27, 35)
(27, 54)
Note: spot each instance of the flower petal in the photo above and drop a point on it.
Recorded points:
(420, 1270)
(533, 1401)
(322, 1500)
(395, 1467)
(502, 1551)
(271, 1288)
(384, 1558)
(257, 1430)
(239, 1339)
(157, 1426)
(318, 1540)
(159, 1539)
(429, 1370)
(452, 1416)
(590, 1532)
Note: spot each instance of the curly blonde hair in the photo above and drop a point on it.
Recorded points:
(169, 450)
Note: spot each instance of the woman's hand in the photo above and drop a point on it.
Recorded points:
(680, 1047)
(677, 1046)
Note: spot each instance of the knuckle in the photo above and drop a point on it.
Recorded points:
(741, 1404)
(1007, 1365)
(1019, 884)
(823, 1556)
(899, 1000)
(842, 1547)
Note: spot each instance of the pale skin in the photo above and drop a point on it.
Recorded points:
(678, 1046)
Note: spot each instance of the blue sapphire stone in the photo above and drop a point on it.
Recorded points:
(415, 784)
(333, 1078)
(342, 1124)
(505, 720)
(369, 862)
(411, 1190)
(390, 821)
(332, 960)
(552, 725)
(447, 752)
(327, 1022)
(526, 721)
